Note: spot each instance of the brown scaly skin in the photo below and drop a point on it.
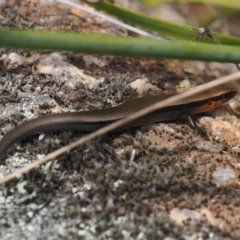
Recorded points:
(88, 121)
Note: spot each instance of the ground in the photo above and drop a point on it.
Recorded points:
(160, 181)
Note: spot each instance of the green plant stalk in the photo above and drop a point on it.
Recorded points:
(182, 32)
(121, 46)
(220, 3)
(204, 19)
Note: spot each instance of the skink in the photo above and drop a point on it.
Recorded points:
(91, 120)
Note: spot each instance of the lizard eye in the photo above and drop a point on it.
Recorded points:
(226, 95)
(229, 95)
